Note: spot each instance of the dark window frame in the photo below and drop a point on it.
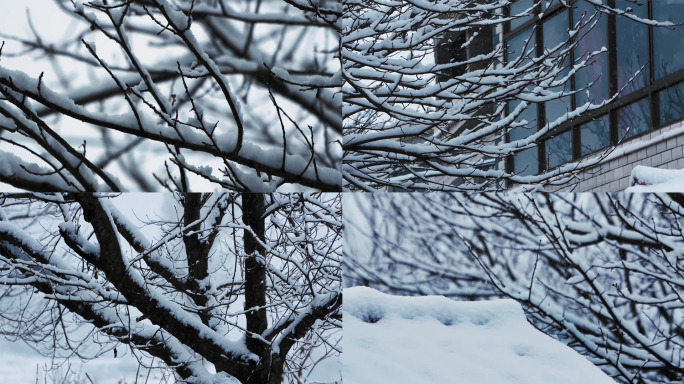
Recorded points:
(650, 91)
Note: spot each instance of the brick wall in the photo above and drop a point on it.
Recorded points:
(663, 148)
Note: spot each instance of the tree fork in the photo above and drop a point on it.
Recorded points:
(196, 250)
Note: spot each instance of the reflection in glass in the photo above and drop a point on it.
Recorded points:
(525, 163)
(593, 41)
(530, 114)
(632, 47)
(633, 119)
(672, 104)
(559, 149)
(595, 135)
(668, 45)
(549, 3)
(519, 7)
(516, 45)
(555, 33)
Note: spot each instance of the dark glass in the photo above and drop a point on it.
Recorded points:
(672, 104)
(595, 135)
(594, 40)
(668, 45)
(516, 45)
(548, 4)
(632, 47)
(559, 149)
(529, 114)
(496, 39)
(519, 7)
(526, 163)
(555, 33)
(633, 119)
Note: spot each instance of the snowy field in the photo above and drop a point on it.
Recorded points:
(431, 339)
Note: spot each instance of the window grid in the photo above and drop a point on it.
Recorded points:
(650, 91)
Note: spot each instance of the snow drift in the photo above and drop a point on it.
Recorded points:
(647, 179)
(434, 340)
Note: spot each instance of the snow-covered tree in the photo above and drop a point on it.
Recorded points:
(244, 285)
(601, 273)
(433, 99)
(204, 94)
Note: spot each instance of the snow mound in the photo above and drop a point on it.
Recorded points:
(647, 179)
(434, 340)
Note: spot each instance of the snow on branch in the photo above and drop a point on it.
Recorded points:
(177, 58)
(431, 102)
(600, 273)
(180, 292)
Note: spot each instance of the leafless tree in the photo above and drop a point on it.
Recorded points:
(601, 273)
(416, 118)
(204, 94)
(246, 284)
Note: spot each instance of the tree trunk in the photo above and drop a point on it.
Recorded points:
(253, 210)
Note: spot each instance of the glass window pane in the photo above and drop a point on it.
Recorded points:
(530, 114)
(559, 149)
(516, 45)
(593, 41)
(525, 163)
(672, 104)
(632, 47)
(595, 135)
(556, 30)
(635, 117)
(518, 8)
(668, 45)
(555, 33)
(549, 3)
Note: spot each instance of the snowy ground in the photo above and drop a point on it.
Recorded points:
(19, 364)
(431, 339)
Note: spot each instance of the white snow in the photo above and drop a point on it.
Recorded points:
(647, 179)
(431, 339)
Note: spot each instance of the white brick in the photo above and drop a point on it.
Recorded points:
(614, 186)
(624, 183)
(622, 161)
(632, 157)
(600, 179)
(641, 154)
(591, 183)
(671, 143)
(656, 160)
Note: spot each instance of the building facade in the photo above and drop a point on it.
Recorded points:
(642, 63)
